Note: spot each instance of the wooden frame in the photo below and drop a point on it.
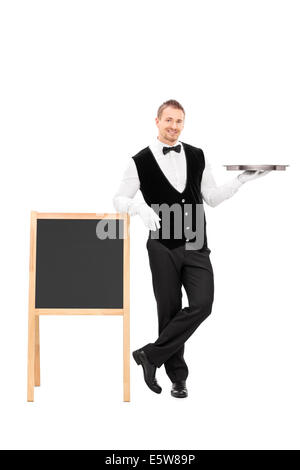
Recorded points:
(33, 378)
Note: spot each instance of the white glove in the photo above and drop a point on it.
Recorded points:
(250, 175)
(148, 215)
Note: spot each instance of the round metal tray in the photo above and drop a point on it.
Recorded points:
(256, 167)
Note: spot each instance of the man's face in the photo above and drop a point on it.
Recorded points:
(170, 125)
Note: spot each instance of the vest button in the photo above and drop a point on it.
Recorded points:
(187, 227)
(182, 200)
(187, 239)
(186, 213)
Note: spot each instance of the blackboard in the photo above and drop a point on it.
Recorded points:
(76, 269)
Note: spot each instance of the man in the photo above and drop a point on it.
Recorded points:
(173, 173)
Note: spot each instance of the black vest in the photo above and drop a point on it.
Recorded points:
(157, 189)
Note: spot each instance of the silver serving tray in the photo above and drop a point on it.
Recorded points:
(256, 167)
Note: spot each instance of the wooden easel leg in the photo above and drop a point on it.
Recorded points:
(31, 310)
(126, 358)
(37, 379)
(31, 351)
(126, 314)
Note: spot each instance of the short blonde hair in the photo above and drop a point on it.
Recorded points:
(173, 103)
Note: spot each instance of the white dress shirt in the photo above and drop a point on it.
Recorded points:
(173, 165)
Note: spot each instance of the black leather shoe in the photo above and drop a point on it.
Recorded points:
(149, 369)
(179, 389)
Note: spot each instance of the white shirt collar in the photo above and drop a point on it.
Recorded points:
(159, 145)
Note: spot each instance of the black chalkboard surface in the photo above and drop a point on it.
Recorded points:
(76, 269)
(79, 264)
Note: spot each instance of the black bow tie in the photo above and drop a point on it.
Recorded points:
(167, 149)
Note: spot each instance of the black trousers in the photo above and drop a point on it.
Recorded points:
(172, 269)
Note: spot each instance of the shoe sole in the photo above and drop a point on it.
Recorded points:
(135, 355)
(178, 396)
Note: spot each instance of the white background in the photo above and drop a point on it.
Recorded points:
(81, 82)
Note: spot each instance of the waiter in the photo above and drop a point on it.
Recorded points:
(173, 173)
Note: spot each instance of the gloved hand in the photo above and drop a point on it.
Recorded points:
(148, 215)
(250, 175)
